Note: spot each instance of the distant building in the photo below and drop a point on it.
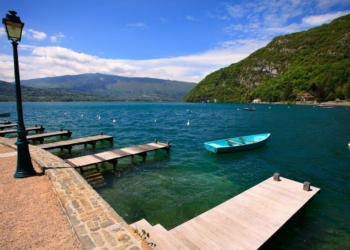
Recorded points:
(258, 100)
(307, 97)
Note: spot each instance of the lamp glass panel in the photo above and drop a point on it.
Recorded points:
(14, 30)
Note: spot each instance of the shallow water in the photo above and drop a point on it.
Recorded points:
(307, 144)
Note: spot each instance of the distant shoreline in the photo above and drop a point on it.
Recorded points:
(309, 103)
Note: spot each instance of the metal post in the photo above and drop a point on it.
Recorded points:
(24, 162)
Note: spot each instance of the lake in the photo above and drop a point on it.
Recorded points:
(307, 144)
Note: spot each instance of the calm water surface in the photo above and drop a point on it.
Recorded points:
(307, 144)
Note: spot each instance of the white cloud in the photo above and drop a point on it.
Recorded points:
(2, 31)
(135, 26)
(236, 11)
(321, 19)
(191, 18)
(325, 4)
(57, 61)
(32, 34)
(57, 37)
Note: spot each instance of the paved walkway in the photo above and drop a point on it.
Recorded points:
(7, 154)
(94, 222)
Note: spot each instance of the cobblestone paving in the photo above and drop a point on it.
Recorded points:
(95, 223)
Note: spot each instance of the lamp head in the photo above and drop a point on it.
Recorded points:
(13, 26)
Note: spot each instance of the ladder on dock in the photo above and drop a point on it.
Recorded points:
(68, 144)
(246, 221)
(114, 155)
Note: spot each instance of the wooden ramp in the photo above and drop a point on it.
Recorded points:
(68, 144)
(114, 155)
(246, 221)
(40, 137)
(11, 131)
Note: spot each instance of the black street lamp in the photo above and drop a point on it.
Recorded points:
(25, 168)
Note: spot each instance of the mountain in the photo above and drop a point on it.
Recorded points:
(116, 88)
(29, 94)
(316, 61)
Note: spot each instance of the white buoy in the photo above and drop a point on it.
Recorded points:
(82, 115)
(113, 120)
(188, 123)
(349, 145)
(155, 120)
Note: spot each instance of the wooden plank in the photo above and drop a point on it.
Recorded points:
(247, 220)
(8, 126)
(211, 231)
(166, 235)
(11, 131)
(85, 160)
(49, 134)
(74, 142)
(115, 154)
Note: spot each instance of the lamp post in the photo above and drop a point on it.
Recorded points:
(14, 26)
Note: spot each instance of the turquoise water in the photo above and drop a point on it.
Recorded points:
(307, 144)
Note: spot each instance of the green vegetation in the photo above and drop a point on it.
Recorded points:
(316, 61)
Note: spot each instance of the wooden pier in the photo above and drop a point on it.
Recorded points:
(11, 131)
(114, 155)
(5, 122)
(246, 221)
(40, 137)
(68, 144)
(8, 125)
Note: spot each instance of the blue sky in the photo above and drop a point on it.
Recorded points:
(176, 40)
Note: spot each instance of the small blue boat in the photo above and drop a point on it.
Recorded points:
(236, 144)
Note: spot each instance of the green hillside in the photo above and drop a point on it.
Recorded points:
(316, 61)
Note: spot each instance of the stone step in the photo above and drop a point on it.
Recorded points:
(158, 239)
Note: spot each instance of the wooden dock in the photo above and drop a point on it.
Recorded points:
(114, 155)
(246, 221)
(11, 131)
(8, 125)
(40, 137)
(68, 144)
(5, 122)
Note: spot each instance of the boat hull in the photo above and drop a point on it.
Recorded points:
(237, 144)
